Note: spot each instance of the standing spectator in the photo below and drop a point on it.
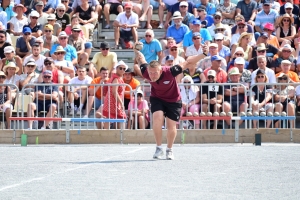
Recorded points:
(24, 43)
(262, 65)
(129, 79)
(112, 7)
(228, 12)
(42, 16)
(212, 97)
(3, 44)
(56, 26)
(5, 100)
(248, 9)
(34, 26)
(105, 58)
(177, 30)
(48, 37)
(37, 57)
(126, 25)
(17, 22)
(46, 99)
(77, 92)
(267, 15)
(62, 17)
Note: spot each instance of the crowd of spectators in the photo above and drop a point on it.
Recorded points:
(239, 42)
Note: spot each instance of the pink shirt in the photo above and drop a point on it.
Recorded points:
(140, 106)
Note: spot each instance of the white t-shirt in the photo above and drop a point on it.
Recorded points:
(13, 80)
(122, 19)
(18, 24)
(39, 62)
(270, 74)
(235, 39)
(211, 30)
(192, 51)
(75, 80)
(34, 79)
(176, 61)
(64, 63)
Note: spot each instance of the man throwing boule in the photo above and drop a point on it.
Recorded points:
(165, 100)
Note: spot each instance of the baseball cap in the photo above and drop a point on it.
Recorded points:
(218, 14)
(49, 26)
(169, 57)
(196, 22)
(31, 61)
(264, 34)
(239, 60)
(239, 49)
(288, 5)
(63, 34)
(48, 72)
(9, 49)
(234, 71)
(287, 46)
(196, 34)
(61, 6)
(219, 36)
(104, 45)
(76, 27)
(213, 45)
(34, 14)
(202, 7)
(216, 57)
(183, 3)
(139, 92)
(211, 73)
(40, 3)
(282, 62)
(51, 17)
(27, 30)
(128, 5)
(260, 71)
(48, 59)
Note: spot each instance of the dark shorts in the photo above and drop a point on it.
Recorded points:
(235, 106)
(125, 35)
(171, 110)
(44, 107)
(114, 8)
(126, 102)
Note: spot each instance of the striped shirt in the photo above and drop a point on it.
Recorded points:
(262, 18)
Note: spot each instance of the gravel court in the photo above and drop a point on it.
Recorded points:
(203, 171)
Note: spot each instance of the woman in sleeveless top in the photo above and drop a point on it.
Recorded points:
(286, 30)
(12, 77)
(113, 107)
(194, 72)
(244, 40)
(5, 100)
(11, 57)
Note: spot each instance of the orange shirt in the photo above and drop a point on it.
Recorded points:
(273, 41)
(282, 3)
(292, 75)
(96, 81)
(221, 76)
(133, 83)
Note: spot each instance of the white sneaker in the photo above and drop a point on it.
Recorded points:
(169, 154)
(71, 113)
(158, 153)
(161, 25)
(107, 26)
(42, 128)
(78, 113)
(85, 116)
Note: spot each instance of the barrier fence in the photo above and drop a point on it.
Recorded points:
(205, 106)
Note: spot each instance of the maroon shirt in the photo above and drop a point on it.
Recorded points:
(165, 88)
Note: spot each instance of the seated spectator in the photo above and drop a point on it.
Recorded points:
(245, 77)
(37, 57)
(126, 25)
(297, 40)
(138, 6)
(223, 50)
(17, 22)
(187, 18)
(220, 29)
(285, 53)
(96, 93)
(105, 58)
(248, 10)
(262, 66)
(283, 9)
(235, 95)
(204, 34)
(10, 56)
(241, 29)
(43, 51)
(210, 7)
(274, 5)
(48, 37)
(68, 8)
(196, 48)
(171, 42)
(11, 70)
(206, 62)
(43, 16)
(212, 97)
(34, 26)
(263, 40)
(177, 30)
(267, 36)
(286, 30)
(30, 77)
(78, 43)
(217, 21)
(78, 94)
(129, 79)
(152, 49)
(240, 19)
(46, 99)
(71, 54)
(50, 6)
(62, 17)
(262, 97)
(169, 61)
(243, 42)
(173, 52)
(63, 65)
(205, 19)
(261, 50)
(24, 43)
(5, 100)
(190, 97)
(3, 43)
(285, 69)
(139, 108)
(288, 7)
(285, 99)
(56, 26)
(228, 12)
(161, 7)
(112, 7)
(192, 71)
(216, 63)
(239, 52)
(96, 4)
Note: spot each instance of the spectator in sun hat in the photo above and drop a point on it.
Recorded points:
(288, 7)
(188, 18)
(177, 30)
(217, 22)
(286, 69)
(271, 49)
(260, 50)
(34, 25)
(286, 23)
(240, 19)
(17, 22)
(56, 26)
(285, 53)
(239, 52)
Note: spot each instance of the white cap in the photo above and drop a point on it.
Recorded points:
(34, 14)
(288, 5)
(61, 6)
(219, 36)
(287, 46)
(239, 49)
(211, 73)
(62, 34)
(213, 45)
(183, 3)
(121, 62)
(239, 60)
(9, 49)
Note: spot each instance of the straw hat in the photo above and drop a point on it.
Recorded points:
(59, 49)
(286, 16)
(245, 34)
(10, 65)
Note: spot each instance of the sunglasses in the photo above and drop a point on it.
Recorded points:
(103, 49)
(262, 51)
(148, 36)
(64, 1)
(30, 66)
(218, 40)
(60, 53)
(266, 5)
(122, 68)
(62, 38)
(81, 71)
(196, 38)
(240, 27)
(268, 30)
(239, 54)
(286, 51)
(260, 76)
(187, 82)
(34, 17)
(170, 38)
(220, 30)
(75, 31)
(288, 8)
(280, 79)
(217, 17)
(3, 77)
(61, 10)
(51, 20)
(47, 76)
(47, 63)
(183, 6)
(173, 49)
(286, 20)
(27, 33)
(210, 77)
(47, 31)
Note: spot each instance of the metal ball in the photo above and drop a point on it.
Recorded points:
(270, 114)
(249, 114)
(283, 114)
(263, 114)
(276, 114)
(216, 114)
(188, 114)
(202, 114)
(196, 114)
(256, 114)
(209, 114)
(242, 114)
(229, 114)
(138, 46)
(222, 114)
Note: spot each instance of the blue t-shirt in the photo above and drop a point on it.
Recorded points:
(70, 52)
(151, 49)
(46, 89)
(175, 7)
(22, 44)
(224, 52)
(188, 37)
(210, 8)
(177, 34)
(188, 19)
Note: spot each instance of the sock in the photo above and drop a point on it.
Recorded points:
(159, 147)
(72, 106)
(81, 106)
(170, 149)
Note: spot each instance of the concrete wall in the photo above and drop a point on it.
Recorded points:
(146, 136)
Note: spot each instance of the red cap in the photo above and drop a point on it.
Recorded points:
(128, 5)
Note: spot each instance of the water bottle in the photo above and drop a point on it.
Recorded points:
(95, 38)
(75, 108)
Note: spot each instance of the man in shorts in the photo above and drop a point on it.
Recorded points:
(165, 100)
(111, 7)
